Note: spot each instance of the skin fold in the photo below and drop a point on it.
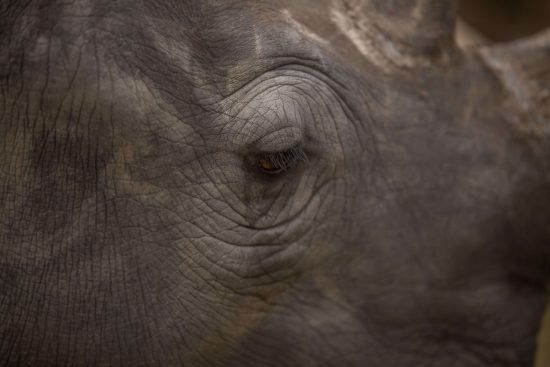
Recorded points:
(269, 183)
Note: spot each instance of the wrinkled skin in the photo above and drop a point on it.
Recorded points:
(137, 228)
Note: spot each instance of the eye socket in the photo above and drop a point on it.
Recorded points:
(280, 162)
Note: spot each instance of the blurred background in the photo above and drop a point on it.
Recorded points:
(500, 21)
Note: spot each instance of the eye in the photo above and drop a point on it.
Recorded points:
(280, 162)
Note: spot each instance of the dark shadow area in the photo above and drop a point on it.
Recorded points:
(503, 20)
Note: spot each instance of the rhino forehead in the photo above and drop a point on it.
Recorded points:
(375, 32)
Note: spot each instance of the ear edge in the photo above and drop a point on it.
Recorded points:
(523, 67)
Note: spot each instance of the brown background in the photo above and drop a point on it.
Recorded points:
(503, 20)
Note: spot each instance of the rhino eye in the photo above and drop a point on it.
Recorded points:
(280, 162)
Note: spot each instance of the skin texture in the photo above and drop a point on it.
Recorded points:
(137, 229)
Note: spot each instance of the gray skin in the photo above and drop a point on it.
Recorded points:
(408, 225)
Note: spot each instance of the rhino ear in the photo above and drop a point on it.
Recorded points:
(523, 68)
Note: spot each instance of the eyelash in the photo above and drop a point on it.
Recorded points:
(280, 162)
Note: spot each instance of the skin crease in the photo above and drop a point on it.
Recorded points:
(136, 228)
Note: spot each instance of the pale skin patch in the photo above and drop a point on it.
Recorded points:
(379, 50)
(364, 45)
(303, 29)
(257, 42)
(510, 80)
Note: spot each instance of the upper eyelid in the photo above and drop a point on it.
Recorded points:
(306, 79)
(269, 111)
(262, 144)
(260, 105)
(310, 65)
(297, 71)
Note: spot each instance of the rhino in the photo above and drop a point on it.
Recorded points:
(269, 183)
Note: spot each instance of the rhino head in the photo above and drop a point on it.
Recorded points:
(269, 183)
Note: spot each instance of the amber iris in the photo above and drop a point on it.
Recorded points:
(279, 162)
(266, 165)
